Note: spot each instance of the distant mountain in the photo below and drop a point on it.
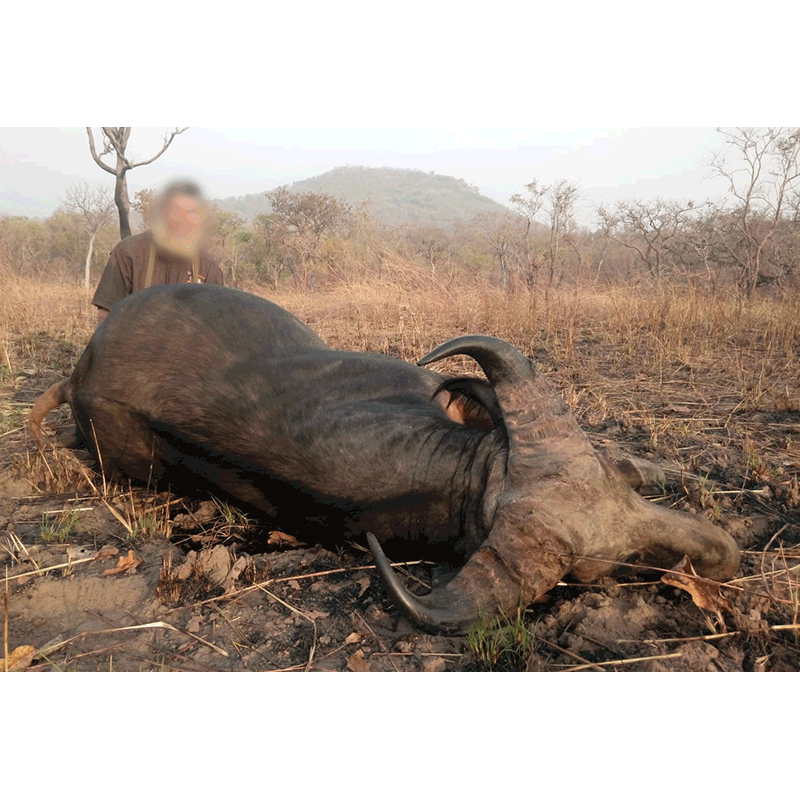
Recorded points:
(394, 196)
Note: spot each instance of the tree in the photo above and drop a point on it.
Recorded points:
(310, 215)
(302, 226)
(764, 174)
(557, 204)
(95, 208)
(115, 142)
(144, 201)
(652, 229)
(23, 244)
(222, 231)
(503, 233)
(561, 198)
(528, 252)
(428, 241)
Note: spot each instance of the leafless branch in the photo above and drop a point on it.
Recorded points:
(167, 142)
(96, 157)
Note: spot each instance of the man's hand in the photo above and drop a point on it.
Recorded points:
(102, 313)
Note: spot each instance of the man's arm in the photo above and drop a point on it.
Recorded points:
(115, 284)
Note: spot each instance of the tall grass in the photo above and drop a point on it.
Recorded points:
(591, 337)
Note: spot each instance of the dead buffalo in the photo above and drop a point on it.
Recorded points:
(208, 387)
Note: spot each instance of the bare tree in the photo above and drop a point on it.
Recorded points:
(115, 143)
(561, 199)
(528, 251)
(607, 222)
(428, 241)
(762, 179)
(96, 208)
(556, 203)
(502, 232)
(698, 239)
(652, 229)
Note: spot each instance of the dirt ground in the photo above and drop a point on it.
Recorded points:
(119, 578)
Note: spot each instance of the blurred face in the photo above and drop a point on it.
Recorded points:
(184, 217)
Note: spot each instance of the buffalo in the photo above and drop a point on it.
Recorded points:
(211, 388)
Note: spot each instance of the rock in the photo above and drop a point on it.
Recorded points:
(436, 664)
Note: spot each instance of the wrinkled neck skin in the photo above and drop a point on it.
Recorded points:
(451, 486)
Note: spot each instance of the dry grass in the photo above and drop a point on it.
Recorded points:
(708, 385)
(670, 366)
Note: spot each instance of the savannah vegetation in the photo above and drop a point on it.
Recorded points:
(672, 330)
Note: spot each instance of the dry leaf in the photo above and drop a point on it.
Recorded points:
(353, 638)
(281, 539)
(106, 551)
(357, 662)
(235, 571)
(363, 582)
(18, 659)
(705, 592)
(126, 563)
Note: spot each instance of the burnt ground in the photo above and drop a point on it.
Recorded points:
(121, 578)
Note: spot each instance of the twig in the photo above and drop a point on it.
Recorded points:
(682, 638)
(419, 655)
(42, 570)
(380, 643)
(159, 624)
(569, 653)
(297, 611)
(62, 511)
(764, 558)
(224, 616)
(342, 569)
(245, 590)
(5, 623)
(622, 661)
(204, 667)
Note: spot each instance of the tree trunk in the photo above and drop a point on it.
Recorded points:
(87, 273)
(121, 200)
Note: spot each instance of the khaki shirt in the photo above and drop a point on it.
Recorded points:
(126, 270)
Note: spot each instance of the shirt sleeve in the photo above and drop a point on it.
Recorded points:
(115, 283)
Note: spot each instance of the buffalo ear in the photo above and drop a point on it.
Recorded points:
(470, 402)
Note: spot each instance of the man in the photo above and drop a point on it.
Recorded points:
(170, 252)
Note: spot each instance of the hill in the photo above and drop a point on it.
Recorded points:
(395, 196)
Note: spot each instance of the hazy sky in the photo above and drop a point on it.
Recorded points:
(37, 165)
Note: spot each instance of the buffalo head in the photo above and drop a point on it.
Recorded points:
(563, 508)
